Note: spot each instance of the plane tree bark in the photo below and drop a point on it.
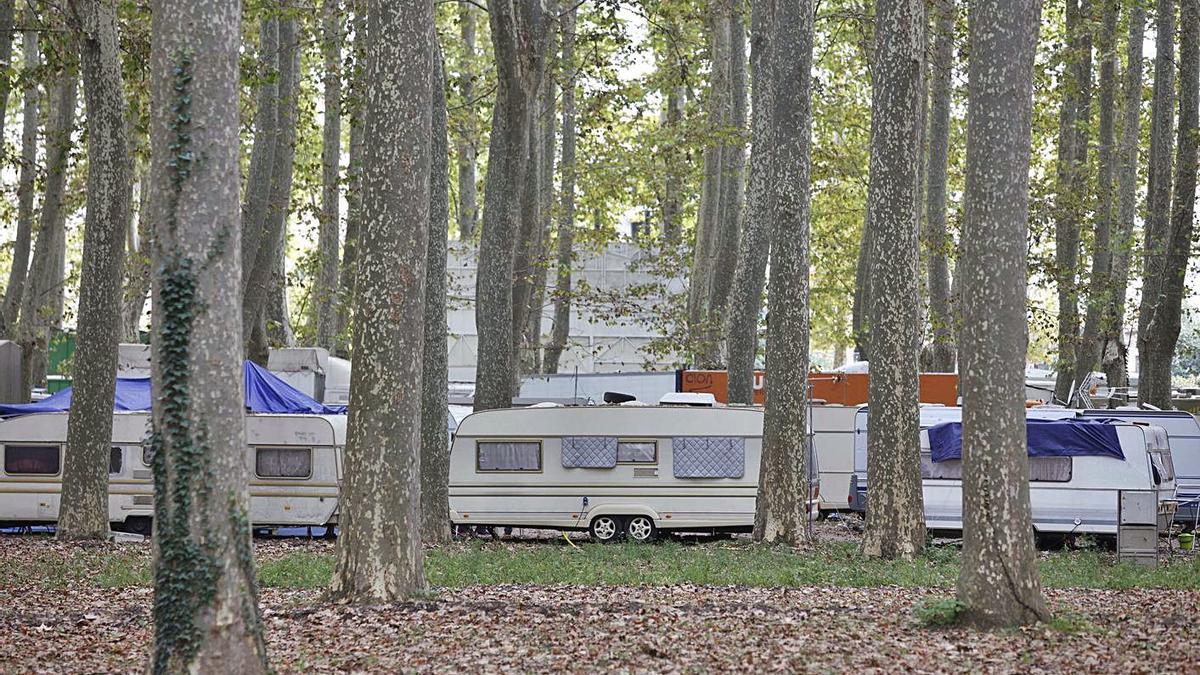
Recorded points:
(1152, 389)
(325, 291)
(781, 514)
(17, 275)
(379, 558)
(1163, 304)
(84, 509)
(941, 352)
(998, 582)
(137, 264)
(206, 616)
(468, 196)
(358, 51)
(565, 235)
(435, 441)
(41, 305)
(733, 197)
(520, 30)
(1115, 352)
(746, 296)
(895, 514)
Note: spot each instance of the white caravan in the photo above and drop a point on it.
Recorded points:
(1067, 495)
(832, 430)
(616, 470)
(295, 466)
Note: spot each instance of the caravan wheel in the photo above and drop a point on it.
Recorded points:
(605, 529)
(641, 529)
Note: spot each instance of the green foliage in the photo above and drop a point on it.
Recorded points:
(939, 612)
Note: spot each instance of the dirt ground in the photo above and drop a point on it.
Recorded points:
(520, 628)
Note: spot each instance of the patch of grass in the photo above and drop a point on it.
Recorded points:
(300, 569)
(121, 570)
(1070, 622)
(939, 613)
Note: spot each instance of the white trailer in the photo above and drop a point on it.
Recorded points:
(1067, 494)
(614, 470)
(295, 464)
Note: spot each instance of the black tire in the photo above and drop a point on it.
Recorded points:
(606, 529)
(142, 525)
(641, 529)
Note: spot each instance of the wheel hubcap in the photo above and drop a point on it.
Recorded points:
(640, 528)
(605, 528)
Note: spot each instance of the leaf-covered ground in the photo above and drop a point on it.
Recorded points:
(87, 609)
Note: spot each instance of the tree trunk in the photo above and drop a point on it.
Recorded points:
(44, 288)
(566, 218)
(1114, 352)
(325, 288)
(895, 513)
(672, 228)
(435, 441)
(519, 35)
(206, 616)
(358, 50)
(941, 351)
(1100, 286)
(998, 581)
(137, 265)
(379, 558)
(528, 244)
(781, 513)
(468, 206)
(859, 319)
(733, 155)
(708, 221)
(6, 35)
(83, 513)
(262, 283)
(745, 300)
(537, 299)
(1163, 325)
(262, 153)
(1152, 388)
(25, 188)
(1068, 205)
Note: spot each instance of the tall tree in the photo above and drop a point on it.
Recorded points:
(672, 228)
(781, 514)
(520, 30)
(1151, 387)
(379, 555)
(565, 236)
(137, 264)
(25, 188)
(358, 52)
(468, 207)
(41, 306)
(1114, 351)
(895, 513)
(547, 128)
(998, 581)
(262, 279)
(206, 615)
(733, 158)
(6, 35)
(941, 351)
(435, 442)
(1164, 309)
(84, 509)
(325, 291)
(1070, 176)
(745, 300)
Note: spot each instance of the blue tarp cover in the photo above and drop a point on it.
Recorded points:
(1094, 437)
(265, 393)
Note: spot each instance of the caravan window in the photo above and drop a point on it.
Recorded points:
(31, 459)
(508, 456)
(114, 460)
(1041, 469)
(1161, 467)
(283, 462)
(637, 452)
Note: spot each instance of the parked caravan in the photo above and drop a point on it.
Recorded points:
(832, 431)
(628, 470)
(294, 463)
(1068, 493)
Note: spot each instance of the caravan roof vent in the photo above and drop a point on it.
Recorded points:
(692, 398)
(618, 397)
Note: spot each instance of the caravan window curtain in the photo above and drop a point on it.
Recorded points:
(589, 452)
(708, 456)
(31, 459)
(283, 462)
(508, 456)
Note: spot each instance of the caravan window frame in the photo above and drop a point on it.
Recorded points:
(54, 446)
(259, 448)
(541, 454)
(639, 441)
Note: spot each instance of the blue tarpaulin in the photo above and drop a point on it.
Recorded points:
(265, 393)
(1094, 437)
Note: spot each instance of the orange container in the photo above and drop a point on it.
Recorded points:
(835, 388)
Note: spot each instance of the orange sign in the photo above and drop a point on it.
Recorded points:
(835, 388)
